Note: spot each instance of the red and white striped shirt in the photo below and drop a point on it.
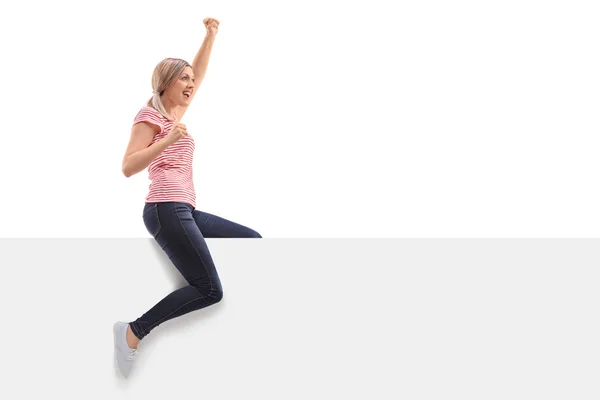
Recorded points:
(170, 172)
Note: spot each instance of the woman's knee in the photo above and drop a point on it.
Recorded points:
(208, 287)
(216, 295)
(212, 294)
(253, 234)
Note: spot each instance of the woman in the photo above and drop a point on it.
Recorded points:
(163, 145)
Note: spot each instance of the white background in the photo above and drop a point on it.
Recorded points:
(465, 319)
(316, 119)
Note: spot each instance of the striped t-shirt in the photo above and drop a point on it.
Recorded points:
(170, 172)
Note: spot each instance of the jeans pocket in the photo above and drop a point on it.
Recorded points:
(151, 219)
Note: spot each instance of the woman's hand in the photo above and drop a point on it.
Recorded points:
(179, 131)
(212, 25)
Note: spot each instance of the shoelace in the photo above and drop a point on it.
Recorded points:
(131, 354)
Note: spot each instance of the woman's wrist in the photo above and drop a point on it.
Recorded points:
(164, 143)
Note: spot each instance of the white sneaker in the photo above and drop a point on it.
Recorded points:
(124, 355)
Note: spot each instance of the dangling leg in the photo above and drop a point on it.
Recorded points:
(182, 240)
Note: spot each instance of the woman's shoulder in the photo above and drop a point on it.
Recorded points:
(151, 116)
(150, 113)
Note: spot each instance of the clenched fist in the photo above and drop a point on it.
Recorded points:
(211, 24)
(179, 131)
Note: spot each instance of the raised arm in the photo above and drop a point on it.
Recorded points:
(200, 63)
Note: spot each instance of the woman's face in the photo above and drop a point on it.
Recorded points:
(180, 92)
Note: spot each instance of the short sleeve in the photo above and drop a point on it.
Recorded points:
(149, 114)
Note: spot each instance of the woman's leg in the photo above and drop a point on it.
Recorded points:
(213, 226)
(174, 228)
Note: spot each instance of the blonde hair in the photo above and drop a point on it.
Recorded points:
(166, 72)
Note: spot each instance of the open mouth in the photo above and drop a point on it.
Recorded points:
(187, 94)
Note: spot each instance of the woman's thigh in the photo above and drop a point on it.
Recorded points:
(174, 228)
(213, 226)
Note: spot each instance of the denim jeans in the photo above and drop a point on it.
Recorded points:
(180, 230)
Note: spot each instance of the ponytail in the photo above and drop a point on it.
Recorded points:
(156, 102)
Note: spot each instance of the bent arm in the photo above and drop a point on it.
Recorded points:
(139, 153)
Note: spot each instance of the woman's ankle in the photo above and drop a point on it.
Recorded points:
(132, 340)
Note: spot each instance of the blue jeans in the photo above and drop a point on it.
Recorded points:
(180, 230)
